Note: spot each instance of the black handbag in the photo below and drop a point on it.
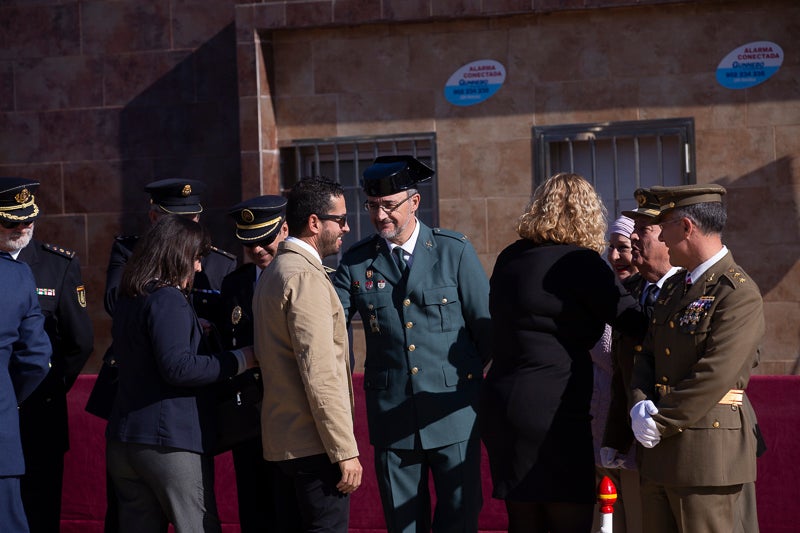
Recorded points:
(237, 410)
(101, 399)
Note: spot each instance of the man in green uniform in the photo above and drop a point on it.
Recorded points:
(424, 299)
(688, 381)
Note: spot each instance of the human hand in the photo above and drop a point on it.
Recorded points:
(642, 423)
(250, 357)
(610, 459)
(351, 475)
(206, 325)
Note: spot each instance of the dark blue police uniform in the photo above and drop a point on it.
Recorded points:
(24, 363)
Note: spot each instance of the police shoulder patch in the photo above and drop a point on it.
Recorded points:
(54, 248)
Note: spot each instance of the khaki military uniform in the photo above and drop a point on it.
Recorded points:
(701, 347)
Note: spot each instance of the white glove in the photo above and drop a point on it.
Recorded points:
(642, 423)
(610, 459)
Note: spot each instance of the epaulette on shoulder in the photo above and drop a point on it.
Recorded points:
(69, 254)
(223, 253)
(449, 233)
(736, 277)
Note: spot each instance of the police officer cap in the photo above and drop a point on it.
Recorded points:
(16, 199)
(649, 205)
(391, 174)
(259, 220)
(177, 196)
(683, 195)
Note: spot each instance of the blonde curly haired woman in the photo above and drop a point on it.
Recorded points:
(551, 294)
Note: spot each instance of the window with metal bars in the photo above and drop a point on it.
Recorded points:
(344, 160)
(618, 157)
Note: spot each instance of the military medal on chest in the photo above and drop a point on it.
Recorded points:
(694, 312)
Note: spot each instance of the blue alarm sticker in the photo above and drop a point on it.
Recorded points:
(749, 65)
(475, 82)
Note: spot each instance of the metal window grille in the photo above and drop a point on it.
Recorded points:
(618, 157)
(345, 158)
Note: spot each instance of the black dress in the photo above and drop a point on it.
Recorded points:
(549, 304)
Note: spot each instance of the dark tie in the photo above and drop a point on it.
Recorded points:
(650, 295)
(399, 258)
(688, 283)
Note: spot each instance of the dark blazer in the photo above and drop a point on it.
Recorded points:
(549, 306)
(205, 289)
(24, 357)
(62, 297)
(162, 400)
(235, 313)
(701, 344)
(618, 433)
(427, 338)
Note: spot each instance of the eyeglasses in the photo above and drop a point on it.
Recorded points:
(387, 208)
(340, 219)
(11, 225)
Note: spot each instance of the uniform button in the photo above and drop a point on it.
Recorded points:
(205, 301)
(469, 376)
(412, 348)
(734, 407)
(671, 324)
(370, 307)
(406, 302)
(680, 430)
(666, 352)
(409, 325)
(715, 424)
(638, 348)
(664, 379)
(414, 370)
(654, 321)
(444, 300)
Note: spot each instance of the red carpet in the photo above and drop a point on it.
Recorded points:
(776, 399)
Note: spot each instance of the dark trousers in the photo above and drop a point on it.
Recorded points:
(403, 477)
(266, 496)
(12, 515)
(41, 489)
(322, 506)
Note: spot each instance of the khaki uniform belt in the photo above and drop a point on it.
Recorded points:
(732, 397)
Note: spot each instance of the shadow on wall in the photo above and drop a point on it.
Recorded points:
(186, 125)
(762, 229)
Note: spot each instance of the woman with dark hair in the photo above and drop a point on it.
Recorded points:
(551, 294)
(159, 429)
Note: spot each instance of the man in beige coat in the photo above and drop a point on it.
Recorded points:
(302, 347)
(691, 413)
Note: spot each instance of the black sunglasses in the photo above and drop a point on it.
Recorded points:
(11, 225)
(340, 219)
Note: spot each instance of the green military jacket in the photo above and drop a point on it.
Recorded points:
(427, 337)
(700, 345)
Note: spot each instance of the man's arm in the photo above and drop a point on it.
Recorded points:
(30, 357)
(473, 287)
(316, 348)
(75, 332)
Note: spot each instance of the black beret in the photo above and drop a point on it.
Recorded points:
(391, 174)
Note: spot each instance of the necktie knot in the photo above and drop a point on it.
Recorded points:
(650, 295)
(400, 259)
